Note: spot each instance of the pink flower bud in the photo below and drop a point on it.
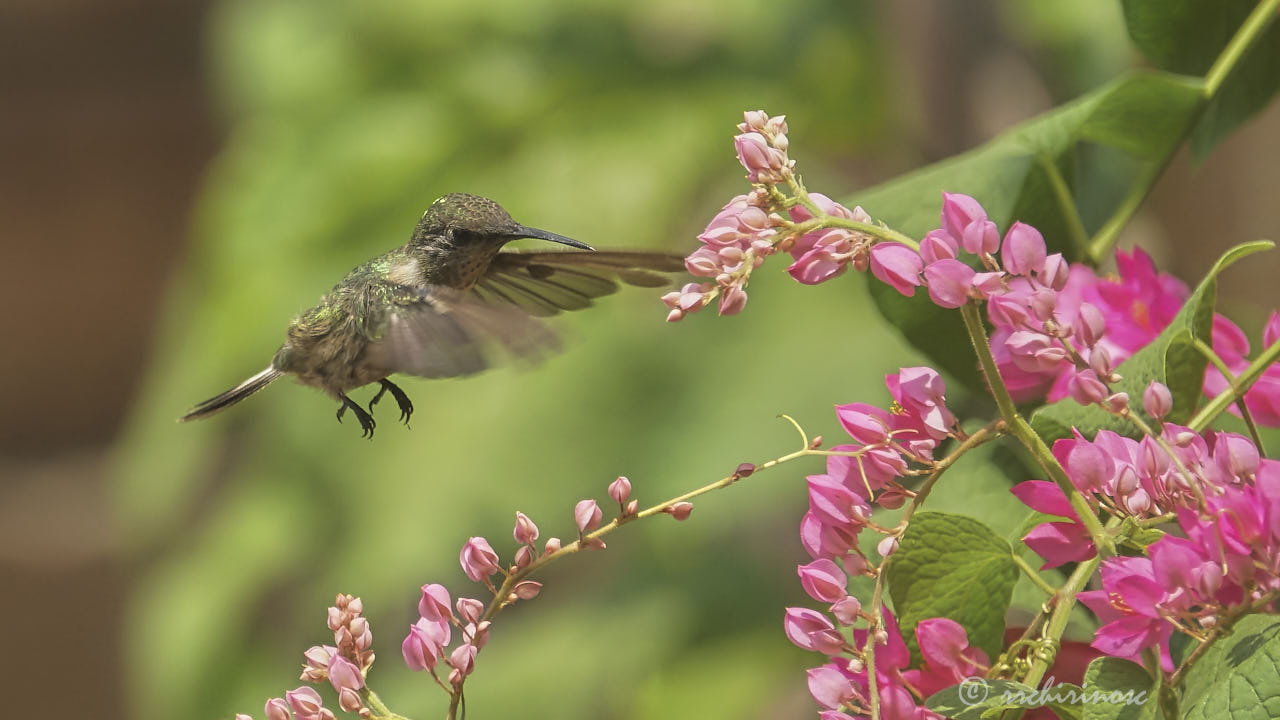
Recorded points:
(865, 423)
(1100, 362)
(527, 589)
(620, 490)
(680, 510)
(744, 470)
(897, 265)
(989, 284)
(1023, 251)
(552, 546)
(810, 630)
(1086, 389)
(419, 649)
(948, 282)
(523, 556)
(886, 546)
(478, 559)
(754, 120)
(846, 610)
(823, 580)
(831, 689)
(1157, 400)
(1118, 401)
(587, 515)
(463, 658)
(470, 609)
(1092, 324)
(1056, 272)
(242, 716)
(477, 635)
(435, 603)
(335, 619)
(349, 700)
(732, 300)
(318, 656)
(344, 674)
(525, 532)
(306, 703)
(981, 237)
(958, 211)
(1007, 311)
(277, 709)
(633, 507)
(938, 245)
(360, 632)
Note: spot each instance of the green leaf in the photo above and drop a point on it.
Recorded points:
(1171, 358)
(955, 567)
(1143, 114)
(977, 698)
(1239, 676)
(1187, 36)
(1117, 689)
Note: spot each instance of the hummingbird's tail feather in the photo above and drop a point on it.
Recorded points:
(232, 396)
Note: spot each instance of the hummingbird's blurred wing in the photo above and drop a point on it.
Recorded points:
(544, 283)
(438, 332)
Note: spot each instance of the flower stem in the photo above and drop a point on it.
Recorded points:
(1063, 601)
(1034, 576)
(1021, 429)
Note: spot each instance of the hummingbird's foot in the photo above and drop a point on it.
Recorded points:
(406, 405)
(366, 420)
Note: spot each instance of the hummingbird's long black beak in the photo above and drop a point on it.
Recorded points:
(524, 231)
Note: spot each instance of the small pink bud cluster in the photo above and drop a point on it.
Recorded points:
(302, 703)
(428, 639)
(736, 242)
(842, 684)
(762, 147)
(864, 472)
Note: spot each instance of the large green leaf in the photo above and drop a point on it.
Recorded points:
(1171, 358)
(1187, 36)
(1239, 677)
(955, 567)
(1117, 689)
(1142, 114)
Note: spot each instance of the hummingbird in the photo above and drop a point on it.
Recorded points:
(439, 305)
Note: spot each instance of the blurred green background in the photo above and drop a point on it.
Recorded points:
(206, 170)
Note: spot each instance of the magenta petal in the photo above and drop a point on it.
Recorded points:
(1060, 543)
(949, 282)
(897, 265)
(1044, 496)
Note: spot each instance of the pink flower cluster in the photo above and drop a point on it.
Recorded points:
(842, 686)
(1228, 562)
(344, 664)
(886, 446)
(1229, 557)
(864, 472)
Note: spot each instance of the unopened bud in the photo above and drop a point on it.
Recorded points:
(349, 700)
(527, 589)
(620, 490)
(470, 609)
(680, 510)
(552, 546)
(524, 556)
(744, 470)
(633, 507)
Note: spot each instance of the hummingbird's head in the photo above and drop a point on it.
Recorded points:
(466, 219)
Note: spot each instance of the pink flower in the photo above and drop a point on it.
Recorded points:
(470, 609)
(1128, 605)
(620, 490)
(1024, 251)
(948, 282)
(831, 686)
(478, 559)
(1157, 400)
(1056, 542)
(938, 245)
(756, 155)
(343, 674)
(811, 630)
(897, 265)
(823, 580)
(944, 644)
(306, 703)
(463, 658)
(525, 531)
(276, 709)
(958, 212)
(422, 646)
(435, 603)
(921, 391)
(587, 515)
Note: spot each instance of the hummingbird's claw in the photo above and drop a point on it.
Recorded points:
(366, 420)
(406, 405)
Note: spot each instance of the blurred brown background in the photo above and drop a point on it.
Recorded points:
(106, 126)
